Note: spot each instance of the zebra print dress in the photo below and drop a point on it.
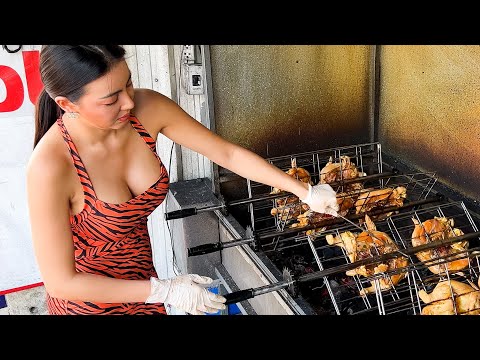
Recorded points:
(112, 239)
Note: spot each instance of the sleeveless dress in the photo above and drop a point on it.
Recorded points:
(112, 239)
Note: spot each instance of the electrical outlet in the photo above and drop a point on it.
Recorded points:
(189, 54)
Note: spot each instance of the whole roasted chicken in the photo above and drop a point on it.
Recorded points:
(366, 244)
(441, 299)
(443, 258)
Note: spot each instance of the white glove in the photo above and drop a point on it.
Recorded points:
(185, 293)
(322, 198)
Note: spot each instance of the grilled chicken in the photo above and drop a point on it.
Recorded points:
(343, 170)
(287, 200)
(289, 212)
(440, 300)
(289, 207)
(368, 244)
(345, 203)
(297, 172)
(443, 258)
(371, 199)
(310, 218)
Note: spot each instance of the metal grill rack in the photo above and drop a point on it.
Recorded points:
(305, 250)
(402, 227)
(402, 297)
(366, 157)
(386, 278)
(418, 186)
(368, 160)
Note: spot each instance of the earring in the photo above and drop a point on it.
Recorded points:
(72, 115)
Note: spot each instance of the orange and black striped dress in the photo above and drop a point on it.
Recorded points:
(112, 239)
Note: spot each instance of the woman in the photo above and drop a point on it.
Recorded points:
(94, 176)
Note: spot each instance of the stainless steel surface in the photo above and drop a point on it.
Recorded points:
(427, 92)
(259, 264)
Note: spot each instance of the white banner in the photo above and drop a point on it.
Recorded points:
(19, 87)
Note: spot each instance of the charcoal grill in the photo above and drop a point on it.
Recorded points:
(276, 245)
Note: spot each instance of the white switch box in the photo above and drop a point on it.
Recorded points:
(193, 79)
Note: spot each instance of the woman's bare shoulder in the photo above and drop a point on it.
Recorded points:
(152, 108)
(150, 100)
(49, 160)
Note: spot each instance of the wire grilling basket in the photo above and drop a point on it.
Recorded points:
(397, 214)
(442, 281)
(366, 157)
(357, 175)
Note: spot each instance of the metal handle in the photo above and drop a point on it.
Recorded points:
(211, 247)
(238, 296)
(204, 249)
(178, 214)
(193, 211)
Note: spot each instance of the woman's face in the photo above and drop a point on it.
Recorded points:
(108, 100)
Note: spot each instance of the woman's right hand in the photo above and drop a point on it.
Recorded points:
(322, 198)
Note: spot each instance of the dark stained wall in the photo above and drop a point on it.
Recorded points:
(430, 110)
(285, 99)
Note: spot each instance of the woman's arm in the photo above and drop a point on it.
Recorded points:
(173, 122)
(48, 202)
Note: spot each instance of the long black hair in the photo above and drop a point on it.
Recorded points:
(65, 70)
